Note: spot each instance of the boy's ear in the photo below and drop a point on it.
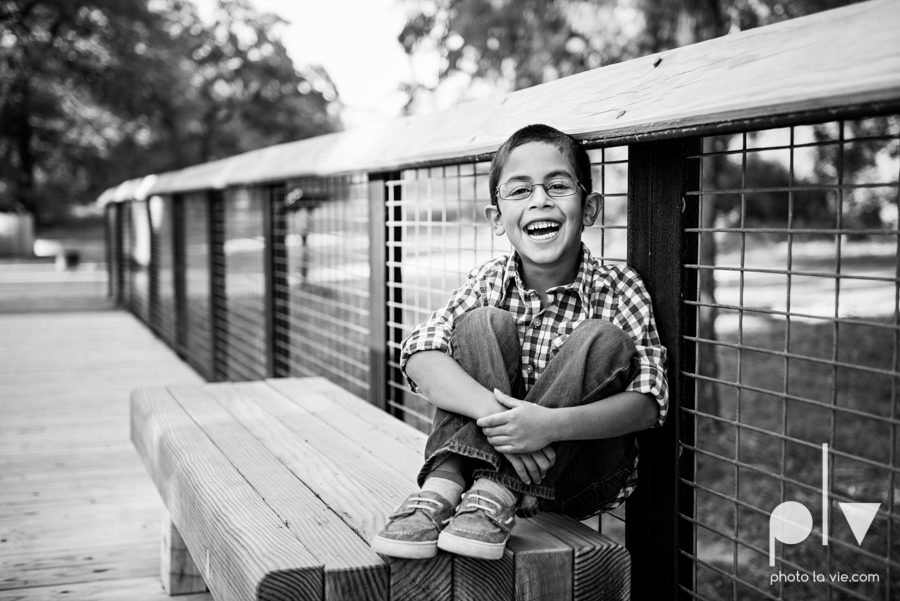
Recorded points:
(492, 213)
(593, 204)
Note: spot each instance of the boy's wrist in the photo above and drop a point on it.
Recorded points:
(556, 425)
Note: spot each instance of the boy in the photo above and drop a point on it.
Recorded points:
(542, 366)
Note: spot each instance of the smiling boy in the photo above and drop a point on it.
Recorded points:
(542, 366)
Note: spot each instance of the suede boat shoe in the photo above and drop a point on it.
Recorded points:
(412, 530)
(480, 528)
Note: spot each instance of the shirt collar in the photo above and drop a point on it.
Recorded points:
(581, 285)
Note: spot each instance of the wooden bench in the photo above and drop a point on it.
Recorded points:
(275, 487)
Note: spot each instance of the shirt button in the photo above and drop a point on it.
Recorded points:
(529, 369)
(537, 322)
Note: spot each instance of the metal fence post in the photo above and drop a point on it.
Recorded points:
(654, 533)
(378, 313)
(277, 327)
(119, 252)
(217, 318)
(180, 273)
(153, 272)
(108, 216)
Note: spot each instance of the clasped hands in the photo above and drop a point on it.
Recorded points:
(521, 434)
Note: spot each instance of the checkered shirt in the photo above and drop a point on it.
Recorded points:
(611, 292)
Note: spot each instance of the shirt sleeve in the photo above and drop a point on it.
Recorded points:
(635, 316)
(434, 334)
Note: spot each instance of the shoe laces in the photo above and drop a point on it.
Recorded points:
(414, 503)
(476, 505)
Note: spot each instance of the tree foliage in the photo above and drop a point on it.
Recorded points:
(514, 44)
(93, 92)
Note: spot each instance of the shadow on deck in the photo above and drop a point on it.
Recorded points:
(79, 516)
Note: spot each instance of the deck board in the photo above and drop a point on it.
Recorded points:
(79, 515)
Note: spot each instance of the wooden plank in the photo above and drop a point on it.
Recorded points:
(601, 568)
(353, 426)
(352, 570)
(327, 462)
(816, 65)
(211, 504)
(402, 432)
(114, 562)
(177, 570)
(132, 589)
(352, 482)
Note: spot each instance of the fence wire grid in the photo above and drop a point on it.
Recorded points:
(796, 346)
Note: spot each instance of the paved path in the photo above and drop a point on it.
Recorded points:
(79, 517)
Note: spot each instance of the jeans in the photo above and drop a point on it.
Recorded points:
(596, 361)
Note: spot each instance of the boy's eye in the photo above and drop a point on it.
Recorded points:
(560, 186)
(518, 190)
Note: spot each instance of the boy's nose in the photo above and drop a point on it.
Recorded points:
(539, 196)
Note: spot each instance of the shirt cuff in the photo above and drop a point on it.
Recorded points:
(652, 381)
(431, 338)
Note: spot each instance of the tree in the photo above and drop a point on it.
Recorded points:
(506, 45)
(93, 92)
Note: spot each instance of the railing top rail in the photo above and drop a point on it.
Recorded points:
(808, 68)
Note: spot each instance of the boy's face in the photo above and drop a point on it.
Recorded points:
(544, 230)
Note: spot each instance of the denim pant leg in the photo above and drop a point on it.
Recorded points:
(597, 361)
(486, 345)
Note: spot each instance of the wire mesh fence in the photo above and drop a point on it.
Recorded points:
(245, 308)
(139, 251)
(794, 339)
(195, 323)
(796, 346)
(162, 277)
(323, 298)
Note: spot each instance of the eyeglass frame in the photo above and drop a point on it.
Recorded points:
(542, 185)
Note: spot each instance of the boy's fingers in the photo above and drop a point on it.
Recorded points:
(490, 421)
(519, 467)
(542, 462)
(550, 454)
(494, 431)
(531, 465)
(498, 440)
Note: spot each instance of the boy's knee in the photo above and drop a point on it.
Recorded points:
(605, 336)
(477, 321)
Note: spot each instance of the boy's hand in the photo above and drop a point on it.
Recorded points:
(523, 428)
(532, 467)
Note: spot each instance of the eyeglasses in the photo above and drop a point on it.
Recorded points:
(556, 187)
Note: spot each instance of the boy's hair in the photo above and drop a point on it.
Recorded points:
(570, 149)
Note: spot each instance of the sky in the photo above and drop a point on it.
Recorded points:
(356, 42)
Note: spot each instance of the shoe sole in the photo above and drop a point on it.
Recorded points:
(470, 548)
(404, 549)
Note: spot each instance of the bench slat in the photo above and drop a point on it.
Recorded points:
(601, 567)
(380, 419)
(382, 442)
(352, 570)
(361, 488)
(213, 506)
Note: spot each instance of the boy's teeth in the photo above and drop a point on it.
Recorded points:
(542, 230)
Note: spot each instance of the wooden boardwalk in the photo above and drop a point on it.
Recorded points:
(79, 516)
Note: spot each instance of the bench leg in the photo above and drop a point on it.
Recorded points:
(179, 574)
